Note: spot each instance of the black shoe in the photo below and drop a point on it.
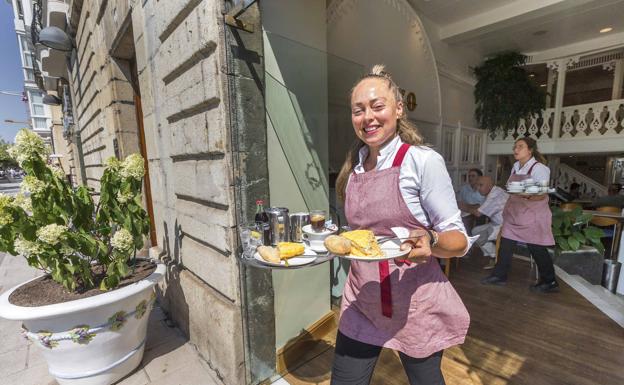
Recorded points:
(493, 280)
(545, 287)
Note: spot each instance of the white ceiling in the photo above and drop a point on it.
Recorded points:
(494, 25)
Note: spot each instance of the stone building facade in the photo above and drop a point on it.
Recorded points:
(169, 80)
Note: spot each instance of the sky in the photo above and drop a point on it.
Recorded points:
(11, 76)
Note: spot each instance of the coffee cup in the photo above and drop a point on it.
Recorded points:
(315, 238)
(533, 189)
(543, 183)
(529, 181)
(516, 183)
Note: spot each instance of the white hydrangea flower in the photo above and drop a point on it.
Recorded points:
(124, 197)
(133, 167)
(24, 202)
(52, 234)
(58, 172)
(32, 185)
(66, 250)
(112, 162)
(5, 217)
(122, 240)
(26, 248)
(27, 145)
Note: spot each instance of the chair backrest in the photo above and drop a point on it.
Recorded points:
(601, 221)
(569, 206)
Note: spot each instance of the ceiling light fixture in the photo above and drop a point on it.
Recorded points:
(605, 30)
(531, 75)
(543, 85)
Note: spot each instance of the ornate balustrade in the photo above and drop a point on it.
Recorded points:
(594, 120)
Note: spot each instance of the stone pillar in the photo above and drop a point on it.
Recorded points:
(549, 86)
(618, 79)
(247, 120)
(559, 66)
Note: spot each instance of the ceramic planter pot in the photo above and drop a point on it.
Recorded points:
(95, 340)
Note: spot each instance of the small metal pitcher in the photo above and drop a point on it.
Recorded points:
(297, 221)
(279, 224)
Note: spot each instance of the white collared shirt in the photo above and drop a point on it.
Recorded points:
(540, 172)
(494, 205)
(424, 183)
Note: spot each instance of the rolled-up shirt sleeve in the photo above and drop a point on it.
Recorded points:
(437, 198)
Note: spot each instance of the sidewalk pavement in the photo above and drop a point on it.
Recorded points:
(168, 360)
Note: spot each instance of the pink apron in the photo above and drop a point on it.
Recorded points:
(407, 307)
(527, 221)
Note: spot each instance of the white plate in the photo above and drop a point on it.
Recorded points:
(390, 248)
(318, 249)
(309, 256)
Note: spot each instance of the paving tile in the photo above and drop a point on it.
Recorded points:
(165, 358)
(139, 377)
(11, 336)
(192, 374)
(36, 375)
(13, 362)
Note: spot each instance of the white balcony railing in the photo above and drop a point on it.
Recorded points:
(602, 119)
(593, 120)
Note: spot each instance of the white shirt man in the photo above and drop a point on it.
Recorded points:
(492, 207)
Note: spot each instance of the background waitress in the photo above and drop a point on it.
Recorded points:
(527, 219)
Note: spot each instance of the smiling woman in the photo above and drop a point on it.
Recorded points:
(390, 180)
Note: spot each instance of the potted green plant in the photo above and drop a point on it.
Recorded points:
(572, 230)
(504, 93)
(89, 311)
(578, 249)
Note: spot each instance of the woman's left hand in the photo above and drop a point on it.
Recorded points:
(419, 244)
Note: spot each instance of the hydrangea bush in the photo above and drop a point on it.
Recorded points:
(62, 231)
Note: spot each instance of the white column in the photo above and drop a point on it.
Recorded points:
(618, 79)
(561, 77)
(549, 86)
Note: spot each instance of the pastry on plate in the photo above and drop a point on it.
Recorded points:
(363, 243)
(337, 245)
(290, 249)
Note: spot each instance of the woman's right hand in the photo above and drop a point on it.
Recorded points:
(419, 243)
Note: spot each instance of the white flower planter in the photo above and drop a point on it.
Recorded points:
(95, 340)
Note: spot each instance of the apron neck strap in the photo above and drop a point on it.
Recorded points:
(513, 172)
(398, 158)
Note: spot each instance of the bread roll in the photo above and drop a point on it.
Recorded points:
(269, 254)
(338, 245)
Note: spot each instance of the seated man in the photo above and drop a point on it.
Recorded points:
(469, 198)
(614, 198)
(492, 207)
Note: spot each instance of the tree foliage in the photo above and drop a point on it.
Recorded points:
(62, 231)
(504, 93)
(5, 159)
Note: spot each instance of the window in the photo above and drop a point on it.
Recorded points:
(36, 97)
(38, 109)
(24, 43)
(40, 123)
(29, 75)
(28, 60)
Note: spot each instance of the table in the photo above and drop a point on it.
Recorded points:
(251, 261)
(617, 237)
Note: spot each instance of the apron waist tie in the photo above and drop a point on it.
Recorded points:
(386, 287)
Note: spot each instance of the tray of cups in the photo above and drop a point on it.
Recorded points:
(529, 187)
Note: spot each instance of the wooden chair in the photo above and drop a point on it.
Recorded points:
(569, 206)
(606, 222)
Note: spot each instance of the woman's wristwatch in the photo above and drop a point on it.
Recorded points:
(433, 238)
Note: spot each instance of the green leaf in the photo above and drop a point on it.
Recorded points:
(562, 243)
(579, 237)
(574, 243)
